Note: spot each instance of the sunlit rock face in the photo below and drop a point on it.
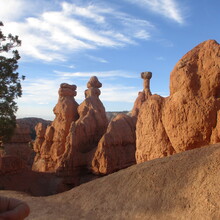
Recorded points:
(67, 145)
(189, 117)
(84, 133)
(50, 142)
(116, 149)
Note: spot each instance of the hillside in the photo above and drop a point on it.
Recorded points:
(182, 186)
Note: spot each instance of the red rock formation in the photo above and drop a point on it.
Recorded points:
(152, 140)
(85, 133)
(67, 145)
(144, 95)
(116, 149)
(189, 117)
(50, 142)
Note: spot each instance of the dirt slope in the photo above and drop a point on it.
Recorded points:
(183, 186)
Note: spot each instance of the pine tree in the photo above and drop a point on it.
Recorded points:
(10, 85)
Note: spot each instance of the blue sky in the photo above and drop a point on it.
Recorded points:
(69, 41)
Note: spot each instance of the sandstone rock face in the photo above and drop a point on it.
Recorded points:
(50, 141)
(152, 140)
(116, 149)
(66, 147)
(189, 117)
(86, 132)
(142, 96)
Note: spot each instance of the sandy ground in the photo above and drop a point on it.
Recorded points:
(183, 186)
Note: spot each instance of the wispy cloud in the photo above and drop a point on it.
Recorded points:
(69, 28)
(97, 59)
(166, 8)
(101, 74)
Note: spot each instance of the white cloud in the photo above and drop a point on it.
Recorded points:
(87, 12)
(119, 93)
(97, 59)
(11, 9)
(40, 91)
(142, 34)
(167, 8)
(101, 74)
(69, 28)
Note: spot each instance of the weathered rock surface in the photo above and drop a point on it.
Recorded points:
(50, 141)
(144, 95)
(189, 117)
(66, 147)
(116, 149)
(152, 140)
(183, 186)
(85, 133)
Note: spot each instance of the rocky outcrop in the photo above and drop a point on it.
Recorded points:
(144, 95)
(116, 149)
(66, 147)
(85, 133)
(189, 117)
(50, 141)
(152, 140)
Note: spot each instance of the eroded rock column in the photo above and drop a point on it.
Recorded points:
(50, 146)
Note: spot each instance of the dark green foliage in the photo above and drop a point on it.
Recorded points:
(10, 85)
